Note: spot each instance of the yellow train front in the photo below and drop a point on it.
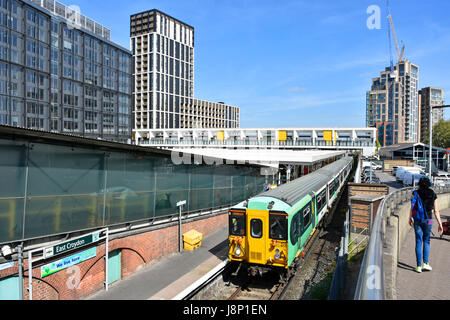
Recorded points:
(270, 231)
(251, 242)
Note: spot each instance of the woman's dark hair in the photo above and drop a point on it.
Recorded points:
(424, 183)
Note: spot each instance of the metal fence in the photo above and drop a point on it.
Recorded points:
(340, 273)
(255, 142)
(371, 281)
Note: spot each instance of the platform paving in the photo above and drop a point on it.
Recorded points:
(166, 278)
(428, 285)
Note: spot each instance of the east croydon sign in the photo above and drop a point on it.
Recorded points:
(70, 245)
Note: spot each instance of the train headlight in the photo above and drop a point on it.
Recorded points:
(238, 250)
(277, 254)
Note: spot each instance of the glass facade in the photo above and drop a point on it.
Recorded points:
(54, 189)
(52, 74)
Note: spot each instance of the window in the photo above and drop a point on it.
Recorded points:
(256, 226)
(321, 200)
(295, 229)
(237, 224)
(278, 227)
(307, 216)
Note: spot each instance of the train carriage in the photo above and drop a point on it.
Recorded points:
(270, 230)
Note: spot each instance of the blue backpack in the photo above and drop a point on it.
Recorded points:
(419, 212)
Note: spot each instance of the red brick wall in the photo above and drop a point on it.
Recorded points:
(136, 252)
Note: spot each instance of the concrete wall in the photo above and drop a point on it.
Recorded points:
(397, 227)
(137, 251)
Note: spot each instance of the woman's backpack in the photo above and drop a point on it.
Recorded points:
(419, 212)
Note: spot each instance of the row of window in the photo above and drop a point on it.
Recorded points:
(172, 67)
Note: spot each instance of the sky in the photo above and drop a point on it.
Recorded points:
(295, 63)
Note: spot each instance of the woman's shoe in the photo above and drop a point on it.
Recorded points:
(427, 267)
(419, 269)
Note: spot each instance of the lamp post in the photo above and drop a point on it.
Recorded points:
(431, 137)
(180, 238)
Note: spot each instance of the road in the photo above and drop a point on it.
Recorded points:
(389, 180)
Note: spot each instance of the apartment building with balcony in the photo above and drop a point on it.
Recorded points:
(392, 104)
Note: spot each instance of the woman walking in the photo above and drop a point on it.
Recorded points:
(423, 227)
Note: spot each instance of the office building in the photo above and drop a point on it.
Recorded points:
(429, 97)
(60, 72)
(206, 114)
(392, 104)
(163, 49)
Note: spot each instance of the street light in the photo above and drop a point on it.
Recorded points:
(431, 136)
(180, 239)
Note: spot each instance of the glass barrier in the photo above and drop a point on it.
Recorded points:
(50, 189)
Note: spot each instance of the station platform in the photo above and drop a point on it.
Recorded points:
(428, 285)
(165, 279)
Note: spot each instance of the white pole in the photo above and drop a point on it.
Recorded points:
(30, 274)
(180, 240)
(106, 258)
(431, 141)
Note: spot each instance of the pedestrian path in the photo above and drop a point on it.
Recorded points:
(434, 285)
(171, 275)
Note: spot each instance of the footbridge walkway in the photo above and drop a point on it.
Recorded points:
(388, 267)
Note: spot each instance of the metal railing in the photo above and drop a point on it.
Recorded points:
(340, 273)
(371, 280)
(251, 142)
(74, 17)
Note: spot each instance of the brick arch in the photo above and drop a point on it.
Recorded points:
(135, 251)
(48, 283)
(102, 256)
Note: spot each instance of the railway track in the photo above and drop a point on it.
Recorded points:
(224, 286)
(264, 288)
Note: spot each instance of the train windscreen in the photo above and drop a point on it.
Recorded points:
(237, 224)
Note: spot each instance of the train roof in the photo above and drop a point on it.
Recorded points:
(292, 192)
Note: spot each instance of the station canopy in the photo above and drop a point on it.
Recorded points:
(266, 157)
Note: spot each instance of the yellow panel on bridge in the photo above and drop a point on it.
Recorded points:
(328, 135)
(282, 135)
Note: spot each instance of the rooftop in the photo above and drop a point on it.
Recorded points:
(73, 15)
(164, 14)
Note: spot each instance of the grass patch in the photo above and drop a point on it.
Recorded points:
(358, 253)
(322, 289)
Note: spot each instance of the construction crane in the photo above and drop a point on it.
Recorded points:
(399, 54)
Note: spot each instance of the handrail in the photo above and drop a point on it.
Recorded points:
(371, 285)
(371, 276)
(258, 142)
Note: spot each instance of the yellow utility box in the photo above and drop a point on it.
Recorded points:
(221, 135)
(192, 240)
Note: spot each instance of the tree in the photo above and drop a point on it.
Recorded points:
(441, 135)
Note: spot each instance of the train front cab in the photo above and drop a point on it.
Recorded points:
(259, 238)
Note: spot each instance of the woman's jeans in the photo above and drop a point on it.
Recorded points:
(423, 234)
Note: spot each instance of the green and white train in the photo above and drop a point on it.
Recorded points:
(271, 229)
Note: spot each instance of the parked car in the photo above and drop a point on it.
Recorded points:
(442, 179)
(372, 165)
